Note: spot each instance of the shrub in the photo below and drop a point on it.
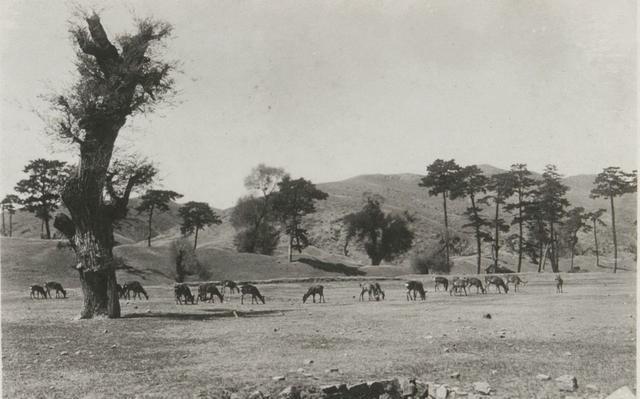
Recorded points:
(430, 261)
(186, 260)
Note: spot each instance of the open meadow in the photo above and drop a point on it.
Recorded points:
(161, 349)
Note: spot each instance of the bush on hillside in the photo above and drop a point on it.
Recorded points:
(186, 261)
(430, 261)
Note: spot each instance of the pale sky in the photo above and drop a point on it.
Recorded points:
(329, 90)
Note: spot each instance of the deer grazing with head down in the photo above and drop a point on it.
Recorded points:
(207, 291)
(373, 290)
(475, 282)
(313, 291)
(248, 289)
(231, 285)
(413, 287)
(52, 285)
(183, 293)
(498, 282)
(137, 289)
(516, 281)
(37, 291)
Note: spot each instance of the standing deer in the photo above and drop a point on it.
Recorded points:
(207, 291)
(458, 284)
(413, 287)
(441, 281)
(249, 289)
(52, 285)
(182, 292)
(498, 282)
(313, 291)
(38, 291)
(137, 289)
(475, 282)
(516, 281)
(231, 285)
(559, 283)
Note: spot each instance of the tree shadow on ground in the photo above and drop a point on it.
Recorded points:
(209, 315)
(332, 267)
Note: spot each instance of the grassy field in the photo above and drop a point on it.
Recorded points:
(160, 349)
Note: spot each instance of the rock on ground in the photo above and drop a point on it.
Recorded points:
(482, 387)
(543, 377)
(567, 383)
(289, 392)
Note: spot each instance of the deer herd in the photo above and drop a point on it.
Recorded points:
(207, 292)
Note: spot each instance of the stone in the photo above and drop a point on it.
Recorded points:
(64, 353)
(487, 315)
(114, 346)
(278, 378)
(105, 331)
(482, 387)
(543, 377)
(332, 370)
(359, 390)
(454, 375)
(591, 387)
(621, 393)
(255, 395)
(289, 392)
(308, 362)
(442, 392)
(329, 389)
(567, 383)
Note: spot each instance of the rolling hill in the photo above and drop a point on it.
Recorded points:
(400, 191)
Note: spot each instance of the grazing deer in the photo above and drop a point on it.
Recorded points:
(137, 289)
(182, 292)
(313, 291)
(38, 291)
(207, 291)
(249, 289)
(458, 284)
(441, 281)
(559, 283)
(373, 290)
(231, 285)
(498, 282)
(475, 282)
(516, 281)
(413, 287)
(52, 285)
(120, 290)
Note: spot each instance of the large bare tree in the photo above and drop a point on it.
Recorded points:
(115, 80)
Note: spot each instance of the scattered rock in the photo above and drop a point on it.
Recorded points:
(446, 350)
(543, 377)
(64, 353)
(105, 331)
(332, 370)
(454, 375)
(278, 378)
(77, 353)
(482, 387)
(567, 383)
(289, 392)
(148, 310)
(255, 395)
(329, 389)
(442, 392)
(487, 315)
(494, 372)
(592, 387)
(308, 362)
(114, 346)
(621, 393)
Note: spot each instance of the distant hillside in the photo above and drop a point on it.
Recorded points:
(401, 193)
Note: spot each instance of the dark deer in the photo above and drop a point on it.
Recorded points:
(413, 287)
(313, 291)
(475, 282)
(207, 291)
(249, 289)
(458, 284)
(137, 289)
(231, 285)
(498, 282)
(52, 285)
(120, 290)
(441, 281)
(559, 283)
(516, 281)
(183, 292)
(38, 291)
